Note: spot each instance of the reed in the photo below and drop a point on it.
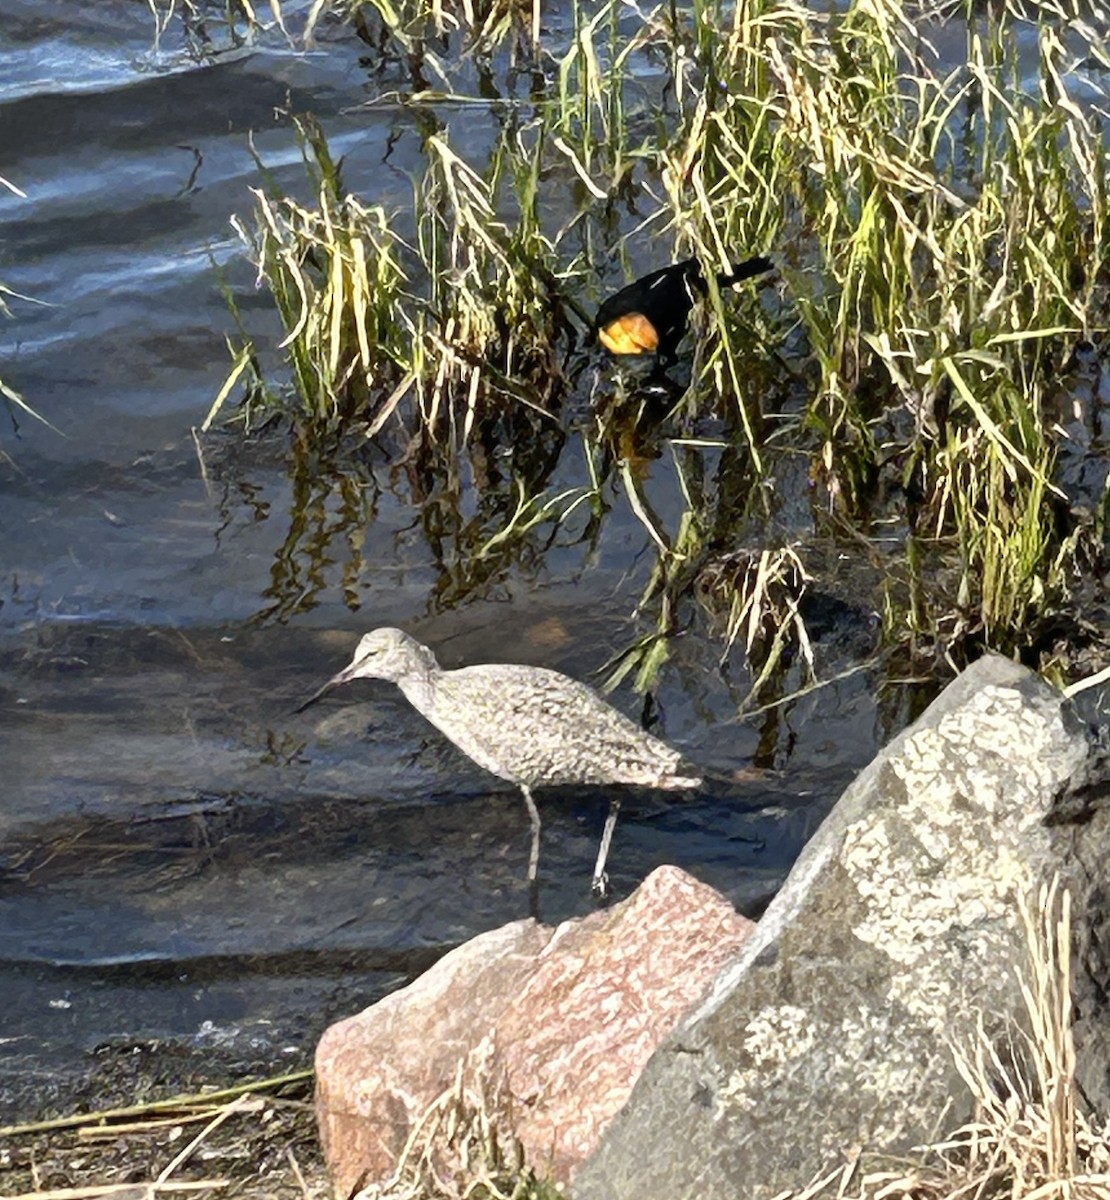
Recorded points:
(940, 229)
(953, 223)
(467, 316)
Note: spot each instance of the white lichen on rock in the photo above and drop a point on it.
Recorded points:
(939, 868)
(782, 1039)
(773, 1038)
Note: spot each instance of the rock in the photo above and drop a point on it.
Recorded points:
(1081, 842)
(376, 1072)
(829, 1032)
(572, 1015)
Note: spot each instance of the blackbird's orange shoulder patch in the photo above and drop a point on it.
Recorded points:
(631, 334)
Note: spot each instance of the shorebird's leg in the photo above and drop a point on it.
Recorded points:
(600, 883)
(533, 813)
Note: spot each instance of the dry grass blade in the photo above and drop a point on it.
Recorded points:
(1047, 991)
(761, 595)
(130, 1191)
(7, 392)
(99, 1133)
(462, 1145)
(174, 1104)
(243, 1143)
(637, 501)
(15, 398)
(1082, 685)
(12, 188)
(233, 1108)
(1029, 1141)
(466, 318)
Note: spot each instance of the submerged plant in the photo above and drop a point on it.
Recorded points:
(212, 26)
(759, 597)
(941, 237)
(469, 314)
(956, 221)
(12, 399)
(483, 24)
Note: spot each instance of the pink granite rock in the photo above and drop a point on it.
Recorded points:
(378, 1071)
(570, 1017)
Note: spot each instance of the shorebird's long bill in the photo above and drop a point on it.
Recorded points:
(344, 676)
(315, 696)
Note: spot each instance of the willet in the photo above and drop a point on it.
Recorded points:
(529, 725)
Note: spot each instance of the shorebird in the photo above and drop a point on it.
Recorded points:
(530, 725)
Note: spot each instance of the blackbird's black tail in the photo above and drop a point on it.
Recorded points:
(753, 266)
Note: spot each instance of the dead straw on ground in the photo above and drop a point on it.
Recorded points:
(463, 1147)
(1028, 1140)
(250, 1141)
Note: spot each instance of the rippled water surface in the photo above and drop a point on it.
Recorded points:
(180, 857)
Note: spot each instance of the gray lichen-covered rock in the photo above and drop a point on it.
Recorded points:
(829, 1033)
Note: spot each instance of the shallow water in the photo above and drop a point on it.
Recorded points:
(182, 858)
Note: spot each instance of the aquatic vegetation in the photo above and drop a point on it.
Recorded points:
(759, 596)
(212, 26)
(474, 314)
(484, 23)
(939, 227)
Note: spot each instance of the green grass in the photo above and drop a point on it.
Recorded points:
(468, 318)
(942, 240)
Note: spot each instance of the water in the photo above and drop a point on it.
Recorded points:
(180, 857)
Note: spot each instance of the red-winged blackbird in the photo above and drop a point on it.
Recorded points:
(649, 315)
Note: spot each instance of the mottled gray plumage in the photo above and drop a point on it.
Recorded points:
(529, 725)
